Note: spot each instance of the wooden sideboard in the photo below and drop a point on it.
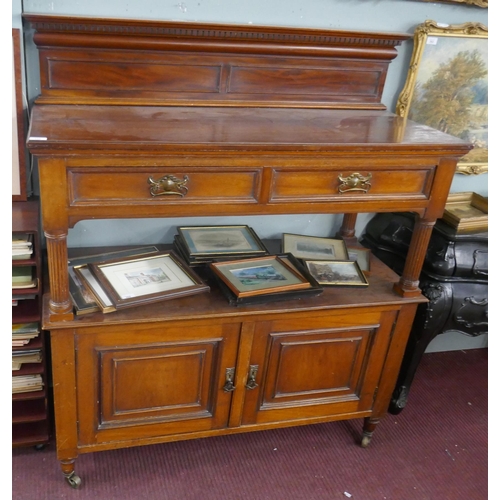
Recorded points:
(252, 121)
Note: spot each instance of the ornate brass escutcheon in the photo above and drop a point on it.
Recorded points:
(168, 185)
(229, 385)
(354, 182)
(252, 375)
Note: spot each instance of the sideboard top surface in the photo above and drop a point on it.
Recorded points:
(150, 128)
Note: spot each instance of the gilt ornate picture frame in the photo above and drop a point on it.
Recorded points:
(447, 86)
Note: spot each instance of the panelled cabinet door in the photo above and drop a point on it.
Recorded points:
(316, 366)
(153, 381)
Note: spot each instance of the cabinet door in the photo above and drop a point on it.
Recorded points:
(136, 381)
(316, 366)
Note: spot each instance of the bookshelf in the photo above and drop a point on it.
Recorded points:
(30, 408)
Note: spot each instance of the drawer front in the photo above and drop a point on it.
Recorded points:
(318, 366)
(363, 184)
(139, 382)
(110, 186)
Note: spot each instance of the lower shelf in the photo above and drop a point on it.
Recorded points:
(30, 433)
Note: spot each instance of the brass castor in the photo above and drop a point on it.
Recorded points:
(365, 441)
(73, 480)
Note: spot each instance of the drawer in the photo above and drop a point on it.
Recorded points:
(145, 185)
(355, 184)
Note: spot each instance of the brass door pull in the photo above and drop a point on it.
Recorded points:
(229, 385)
(252, 375)
(168, 185)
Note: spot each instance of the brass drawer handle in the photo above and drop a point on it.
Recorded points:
(168, 185)
(354, 182)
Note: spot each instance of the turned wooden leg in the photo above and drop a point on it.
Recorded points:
(61, 308)
(408, 284)
(368, 430)
(68, 468)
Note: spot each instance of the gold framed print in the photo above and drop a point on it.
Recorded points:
(447, 86)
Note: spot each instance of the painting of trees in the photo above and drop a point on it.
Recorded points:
(446, 101)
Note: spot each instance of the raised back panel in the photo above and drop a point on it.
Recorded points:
(98, 61)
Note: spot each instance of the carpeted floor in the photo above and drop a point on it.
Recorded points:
(436, 449)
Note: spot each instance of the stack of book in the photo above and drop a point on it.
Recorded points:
(199, 245)
(22, 246)
(22, 277)
(21, 357)
(27, 383)
(22, 333)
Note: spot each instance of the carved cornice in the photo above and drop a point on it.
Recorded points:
(213, 32)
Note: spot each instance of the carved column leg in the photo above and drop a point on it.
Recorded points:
(408, 284)
(68, 468)
(60, 303)
(368, 430)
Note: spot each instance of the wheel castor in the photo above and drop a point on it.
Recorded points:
(73, 480)
(365, 441)
(40, 447)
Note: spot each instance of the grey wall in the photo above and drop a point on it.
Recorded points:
(367, 15)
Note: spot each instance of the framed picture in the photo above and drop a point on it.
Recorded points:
(314, 247)
(476, 3)
(361, 256)
(93, 293)
(336, 272)
(466, 212)
(84, 299)
(206, 241)
(19, 181)
(447, 86)
(144, 279)
(260, 275)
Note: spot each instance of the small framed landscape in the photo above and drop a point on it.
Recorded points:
(144, 279)
(207, 241)
(336, 273)
(258, 276)
(314, 247)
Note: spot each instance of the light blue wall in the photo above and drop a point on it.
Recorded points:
(364, 15)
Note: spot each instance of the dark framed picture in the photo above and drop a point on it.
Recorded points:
(82, 293)
(314, 247)
(206, 241)
(361, 256)
(139, 280)
(336, 272)
(260, 275)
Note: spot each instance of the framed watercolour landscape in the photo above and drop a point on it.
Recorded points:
(144, 279)
(261, 275)
(447, 86)
(345, 273)
(208, 241)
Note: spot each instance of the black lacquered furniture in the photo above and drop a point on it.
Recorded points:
(454, 279)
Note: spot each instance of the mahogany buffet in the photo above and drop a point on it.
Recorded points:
(255, 121)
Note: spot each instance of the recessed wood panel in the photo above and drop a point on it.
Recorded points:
(313, 366)
(142, 76)
(167, 380)
(300, 81)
